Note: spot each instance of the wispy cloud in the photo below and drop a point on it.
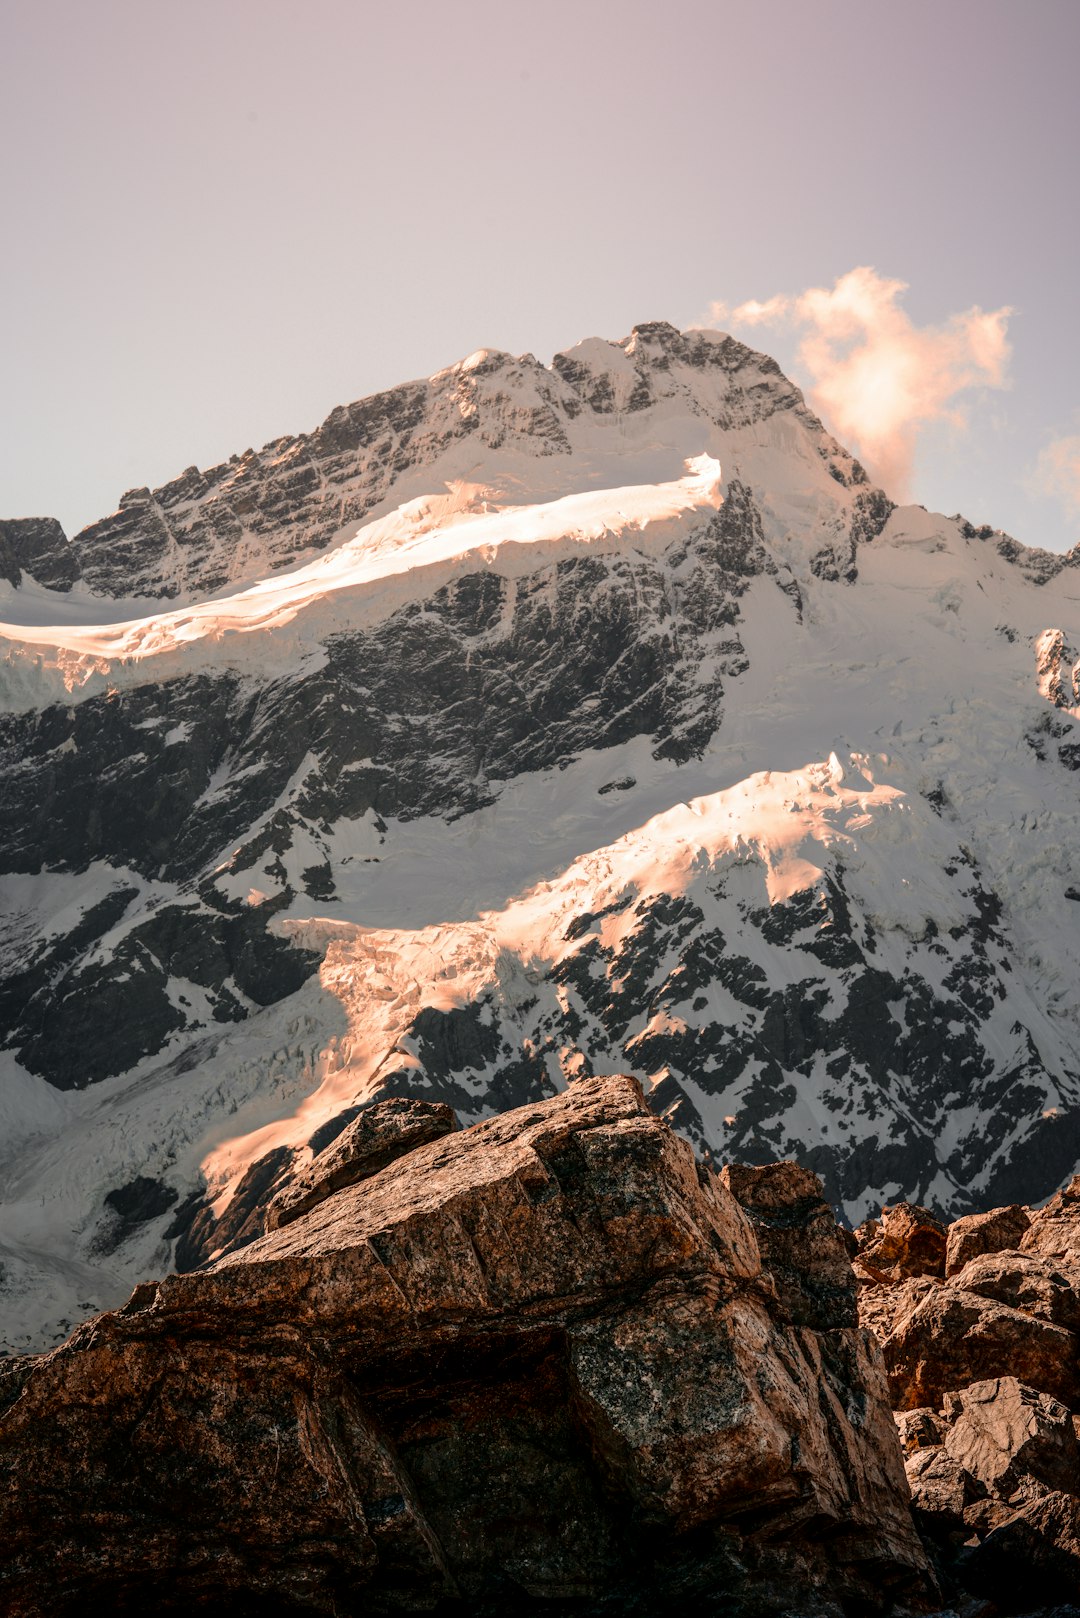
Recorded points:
(876, 378)
(1057, 472)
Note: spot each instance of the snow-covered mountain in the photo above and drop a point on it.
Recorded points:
(517, 724)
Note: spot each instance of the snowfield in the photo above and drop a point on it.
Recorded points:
(654, 741)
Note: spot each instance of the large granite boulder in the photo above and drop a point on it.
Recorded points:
(544, 1359)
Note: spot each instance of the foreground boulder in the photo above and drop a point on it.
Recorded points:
(539, 1360)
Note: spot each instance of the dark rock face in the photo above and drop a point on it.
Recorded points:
(38, 546)
(813, 994)
(544, 1359)
(427, 714)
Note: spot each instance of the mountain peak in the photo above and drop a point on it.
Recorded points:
(602, 412)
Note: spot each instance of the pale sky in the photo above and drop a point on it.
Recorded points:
(224, 217)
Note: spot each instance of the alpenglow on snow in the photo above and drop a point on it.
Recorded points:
(519, 724)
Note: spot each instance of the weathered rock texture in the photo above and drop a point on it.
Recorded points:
(374, 1138)
(984, 1373)
(548, 1357)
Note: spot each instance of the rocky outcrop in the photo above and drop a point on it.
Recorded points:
(977, 1234)
(38, 546)
(906, 1241)
(984, 1371)
(549, 1358)
(373, 1139)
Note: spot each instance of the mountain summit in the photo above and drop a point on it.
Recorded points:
(517, 725)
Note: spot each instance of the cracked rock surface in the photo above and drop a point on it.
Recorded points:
(545, 1358)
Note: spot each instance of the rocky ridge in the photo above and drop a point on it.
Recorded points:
(554, 1362)
(267, 509)
(549, 1360)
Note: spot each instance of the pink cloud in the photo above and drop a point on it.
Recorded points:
(1057, 472)
(876, 378)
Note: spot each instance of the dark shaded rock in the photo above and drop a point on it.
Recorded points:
(800, 1242)
(382, 1132)
(1032, 1557)
(941, 1490)
(38, 546)
(540, 1356)
(132, 1205)
(991, 1232)
(203, 1234)
(908, 1241)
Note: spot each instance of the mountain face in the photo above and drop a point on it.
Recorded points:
(520, 725)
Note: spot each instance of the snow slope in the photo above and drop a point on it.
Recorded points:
(629, 731)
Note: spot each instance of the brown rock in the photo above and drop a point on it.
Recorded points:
(1055, 1229)
(379, 1134)
(988, 1513)
(1005, 1433)
(1033, 1558)
(910, 1241)
(975, 1234)
(918, 1429)
(1028, 1282)
(539, 1356)
(883, 1304)
(800, 1242)
(951, 1338)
